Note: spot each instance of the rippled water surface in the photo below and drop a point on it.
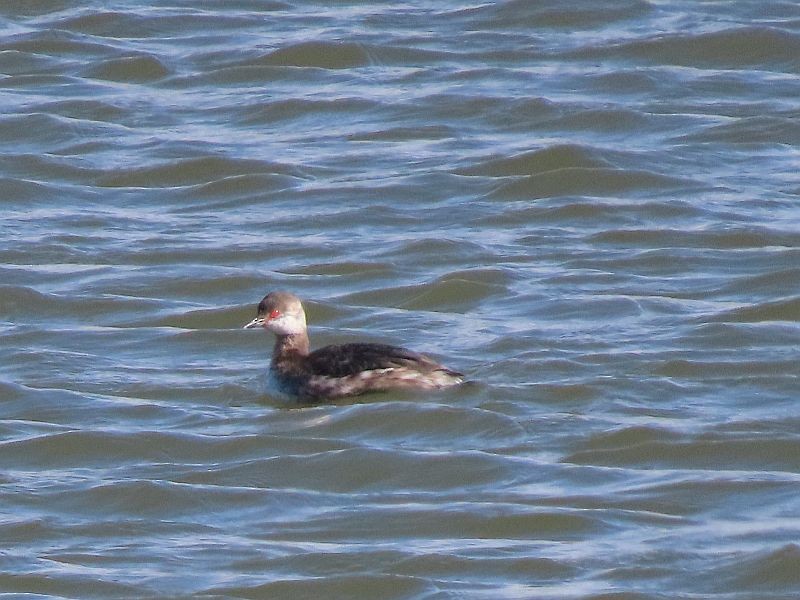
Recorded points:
(591, 208)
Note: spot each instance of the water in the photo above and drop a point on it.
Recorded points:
(591, 208)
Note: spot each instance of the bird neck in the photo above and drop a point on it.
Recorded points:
(293, 343)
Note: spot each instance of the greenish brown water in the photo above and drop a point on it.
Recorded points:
(591, 208)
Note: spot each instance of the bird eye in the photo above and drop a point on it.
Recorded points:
(274, 314)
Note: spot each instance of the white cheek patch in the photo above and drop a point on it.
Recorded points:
(278, 325)
(286, 325)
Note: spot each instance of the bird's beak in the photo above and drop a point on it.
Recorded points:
(257, 322)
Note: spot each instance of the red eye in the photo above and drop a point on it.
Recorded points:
(274, 314)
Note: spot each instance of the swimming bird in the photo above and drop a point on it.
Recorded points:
(340, 370)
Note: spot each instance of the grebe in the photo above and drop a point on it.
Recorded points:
(341, 370)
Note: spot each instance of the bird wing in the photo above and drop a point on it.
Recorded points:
(349, 359)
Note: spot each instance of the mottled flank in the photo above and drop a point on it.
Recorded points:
(341, 370)
(320, 386)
